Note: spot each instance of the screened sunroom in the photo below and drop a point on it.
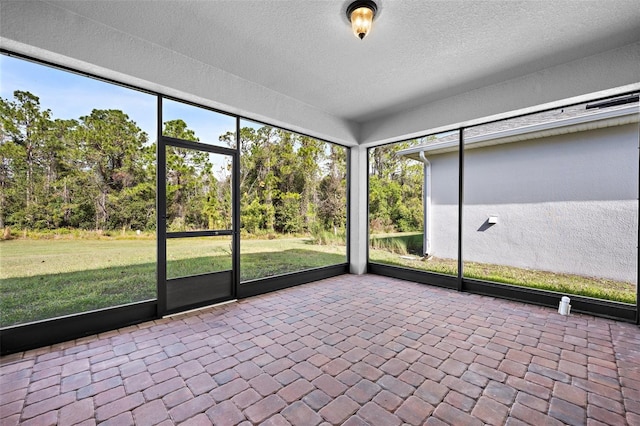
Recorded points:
(273, 200)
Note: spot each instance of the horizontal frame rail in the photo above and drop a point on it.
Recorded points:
(48, 332)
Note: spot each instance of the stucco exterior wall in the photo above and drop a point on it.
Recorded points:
(566, 204)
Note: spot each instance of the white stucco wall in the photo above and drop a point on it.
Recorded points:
(564, 204)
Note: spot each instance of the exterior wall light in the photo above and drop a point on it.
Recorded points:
(361, 13)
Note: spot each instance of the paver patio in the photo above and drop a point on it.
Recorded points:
(351, 350)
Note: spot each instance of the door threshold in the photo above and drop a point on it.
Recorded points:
(200, 308)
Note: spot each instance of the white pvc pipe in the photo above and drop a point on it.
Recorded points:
(426, 218)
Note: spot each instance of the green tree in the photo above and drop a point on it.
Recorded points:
(288, 217)
(310, 156)
(188, 171)
(10, 164)
(395, 189)
(287, 179)
(26, 125)
(59, 161)
(258, 177)
(332, 207)
(134, 206)
(111, 145)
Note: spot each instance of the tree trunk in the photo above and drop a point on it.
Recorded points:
(67, 201)
(101, 211)
(29, 174)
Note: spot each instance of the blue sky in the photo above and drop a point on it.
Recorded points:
(69, 95)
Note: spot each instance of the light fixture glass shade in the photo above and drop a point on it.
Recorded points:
(361, 20)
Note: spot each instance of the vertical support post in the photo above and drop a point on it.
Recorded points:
(365, 198)
(358, 212)
(460, 206)
(426, 205)
(348, 230)
(638, 248)
(161, 215)
(426, 214)
(235, 221)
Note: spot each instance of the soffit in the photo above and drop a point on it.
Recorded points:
(418, 51)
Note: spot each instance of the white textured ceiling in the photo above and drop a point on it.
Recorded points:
(418, 51)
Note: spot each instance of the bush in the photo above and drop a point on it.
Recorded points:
(6, 234)
(287, 213)
(379, 225)
(323, 237)
(400, 244)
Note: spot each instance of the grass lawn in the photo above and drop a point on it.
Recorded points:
(599, 288)
(41, 279)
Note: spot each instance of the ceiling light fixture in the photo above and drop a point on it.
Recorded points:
(361, 13)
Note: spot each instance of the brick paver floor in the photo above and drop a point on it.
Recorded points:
(351, 350)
